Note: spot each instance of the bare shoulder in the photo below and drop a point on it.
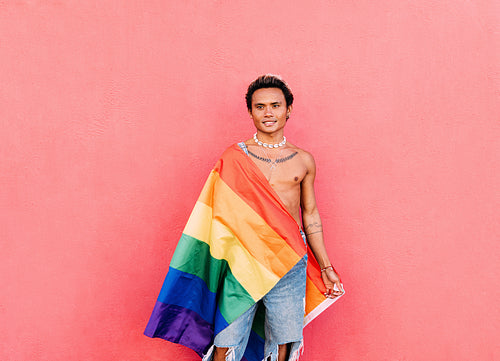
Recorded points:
(306, 157)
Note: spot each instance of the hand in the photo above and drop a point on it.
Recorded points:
(332, 283)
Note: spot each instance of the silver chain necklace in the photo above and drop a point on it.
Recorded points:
(271, 163)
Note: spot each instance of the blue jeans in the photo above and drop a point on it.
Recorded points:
(285, 307)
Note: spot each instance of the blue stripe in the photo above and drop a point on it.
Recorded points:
(189, 291)
(220, 322)
(255, 347)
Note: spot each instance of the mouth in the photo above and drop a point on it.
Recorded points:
(269, 123)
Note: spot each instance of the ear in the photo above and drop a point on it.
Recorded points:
(288, 111)
(250, 112)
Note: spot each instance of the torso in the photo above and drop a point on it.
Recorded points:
(287, 175)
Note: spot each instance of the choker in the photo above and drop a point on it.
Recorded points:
(280, 144)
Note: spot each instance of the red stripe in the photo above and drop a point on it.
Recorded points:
(314, 272)
(247, 181)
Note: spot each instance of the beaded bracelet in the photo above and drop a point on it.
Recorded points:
(324, 269)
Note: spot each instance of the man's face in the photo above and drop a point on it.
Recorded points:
(269, 111)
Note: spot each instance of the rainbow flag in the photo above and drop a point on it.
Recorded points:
(238, 242)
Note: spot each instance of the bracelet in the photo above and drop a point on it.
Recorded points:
(324, 269)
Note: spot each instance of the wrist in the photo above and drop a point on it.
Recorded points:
(323, 269)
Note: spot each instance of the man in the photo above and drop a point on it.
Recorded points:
(250, 215)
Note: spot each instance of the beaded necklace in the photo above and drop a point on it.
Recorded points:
(265, 145)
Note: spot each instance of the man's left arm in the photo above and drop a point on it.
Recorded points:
(313, 229)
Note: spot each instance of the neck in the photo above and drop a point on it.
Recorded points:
(270, 144)
(270, 137)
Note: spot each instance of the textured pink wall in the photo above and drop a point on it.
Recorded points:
(112, 113)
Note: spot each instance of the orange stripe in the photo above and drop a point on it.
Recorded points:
(206, 195)
(314, 271)
(261, 241)
(248, 182)
(313, 296)
(256, 236)
(315, 288)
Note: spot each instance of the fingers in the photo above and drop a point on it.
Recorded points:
(330, 292)
(334, 287)
(334, 291)
(340, 287)
(333, 294)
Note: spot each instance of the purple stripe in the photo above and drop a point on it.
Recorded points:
(180, 325)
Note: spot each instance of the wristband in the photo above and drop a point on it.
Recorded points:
(325, 268)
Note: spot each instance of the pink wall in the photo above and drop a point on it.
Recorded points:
(112, 114)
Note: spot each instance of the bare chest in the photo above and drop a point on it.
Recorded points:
(283, 170)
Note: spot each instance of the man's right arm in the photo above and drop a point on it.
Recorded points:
(313, 229)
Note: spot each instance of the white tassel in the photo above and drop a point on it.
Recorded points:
(298, 353)
(270, 356)
(230, 354)
(208, 356)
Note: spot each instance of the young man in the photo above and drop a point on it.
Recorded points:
(250, 215)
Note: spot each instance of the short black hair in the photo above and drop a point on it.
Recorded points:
(269, 81)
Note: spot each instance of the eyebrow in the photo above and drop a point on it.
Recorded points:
(278, 102)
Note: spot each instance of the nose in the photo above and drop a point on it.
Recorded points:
(269, 111)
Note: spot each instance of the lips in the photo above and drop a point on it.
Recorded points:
(269, 122)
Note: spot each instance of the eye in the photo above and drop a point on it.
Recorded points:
(276, 105)
(259, 106)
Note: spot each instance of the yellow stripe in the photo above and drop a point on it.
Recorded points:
(254, 233)
(263, 243)
(206, 195)
(199, 223)
(253, 276)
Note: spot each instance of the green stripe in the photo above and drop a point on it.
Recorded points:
(259, 320)
(193, 256)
